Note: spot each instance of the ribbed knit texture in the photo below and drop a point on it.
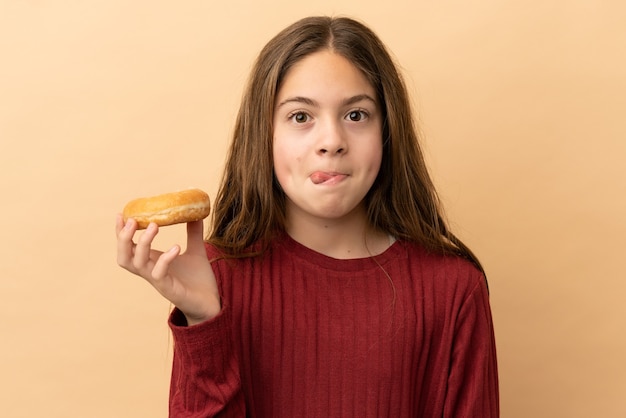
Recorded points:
(404, 334)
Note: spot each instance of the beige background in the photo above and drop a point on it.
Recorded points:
(522, 103)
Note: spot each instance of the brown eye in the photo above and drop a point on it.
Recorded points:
(355, 116)
(300, 117)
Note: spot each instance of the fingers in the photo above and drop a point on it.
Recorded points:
(125, 244)
(137, 258)
(141, 259)
(119, 223)
(161, 267)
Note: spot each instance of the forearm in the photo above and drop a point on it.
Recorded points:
(205, 373)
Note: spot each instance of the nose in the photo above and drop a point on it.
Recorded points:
(332, 140)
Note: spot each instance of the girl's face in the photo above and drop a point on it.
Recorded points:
(327, 138)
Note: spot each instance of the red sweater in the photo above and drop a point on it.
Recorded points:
(300, 334)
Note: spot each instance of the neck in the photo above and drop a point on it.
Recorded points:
(347, 237)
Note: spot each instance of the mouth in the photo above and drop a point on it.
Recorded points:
(328, 178)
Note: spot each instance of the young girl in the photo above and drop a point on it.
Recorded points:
(329, 285)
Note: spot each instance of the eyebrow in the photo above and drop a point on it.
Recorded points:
(308, 101)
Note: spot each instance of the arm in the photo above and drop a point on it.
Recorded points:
(473, 381)
(205, 375)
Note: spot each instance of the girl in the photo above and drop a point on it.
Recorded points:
(329, 285)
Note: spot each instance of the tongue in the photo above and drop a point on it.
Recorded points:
(319, 177)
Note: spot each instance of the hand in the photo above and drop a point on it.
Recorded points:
(186, 279)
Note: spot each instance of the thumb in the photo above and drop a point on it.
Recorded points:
(195, 238)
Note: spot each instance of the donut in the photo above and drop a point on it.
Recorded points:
(169, 208)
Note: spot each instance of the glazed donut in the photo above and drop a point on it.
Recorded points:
(169, 208)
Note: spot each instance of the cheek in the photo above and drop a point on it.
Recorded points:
(282, 161)
(376, 157)
(286, 155)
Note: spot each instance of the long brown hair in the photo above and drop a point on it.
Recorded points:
(250, 205)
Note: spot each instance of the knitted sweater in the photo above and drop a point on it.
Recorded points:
(404, 334)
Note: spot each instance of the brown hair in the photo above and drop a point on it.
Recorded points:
(250, 204)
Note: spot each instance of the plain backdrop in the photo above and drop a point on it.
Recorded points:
(521, 104)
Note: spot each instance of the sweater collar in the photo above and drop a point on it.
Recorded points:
(311, 257)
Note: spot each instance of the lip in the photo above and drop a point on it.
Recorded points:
(327, 178)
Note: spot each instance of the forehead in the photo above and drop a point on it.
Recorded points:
(324, 73)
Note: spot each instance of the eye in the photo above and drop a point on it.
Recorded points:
(357, 115)
(299, 117)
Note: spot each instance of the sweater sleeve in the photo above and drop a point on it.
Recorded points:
(205, 375)
(473, 381)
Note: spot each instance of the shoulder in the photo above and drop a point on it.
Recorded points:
(438, 260)
(445, 273)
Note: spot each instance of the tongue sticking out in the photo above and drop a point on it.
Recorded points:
(319, 177)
